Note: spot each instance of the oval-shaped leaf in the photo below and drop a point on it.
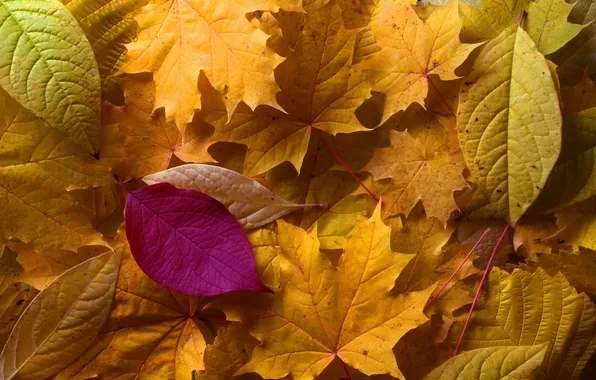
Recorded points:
(47, 65)
(189, 242)
(505, 363)
(509, 123)
(251, 203)
(62, 321)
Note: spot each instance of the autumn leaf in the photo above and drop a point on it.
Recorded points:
(109, 26)
(14, 298)
(252, 204)
(189, 242)
(62, 320)
(178, 40)
(44, 66)
(510, 145)
(151, 331)
(39, 165)
(322, 312)
(228, 353)
(318, 91)
(150, 142)
(419, 166)
(577, 268)
(412, 51)
(522, 309)
(515, 362)
(577, 56)
(546, 21)
(576, 224)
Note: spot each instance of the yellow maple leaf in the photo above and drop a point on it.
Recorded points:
(319, 91)
(412, 50)
(179, 39)
(151, 142)
(324, 312)
(39, 165)
(522, 309)
(419, 166)
(150, 332)
(579, 268)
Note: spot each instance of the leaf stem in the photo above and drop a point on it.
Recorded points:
(344, 164)
(521, 17)
(458, 268)
(484, 276)
(440, 96)
(122, 184)
(345, 369)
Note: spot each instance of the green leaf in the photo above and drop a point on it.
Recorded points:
(504, 363)
(47, 65)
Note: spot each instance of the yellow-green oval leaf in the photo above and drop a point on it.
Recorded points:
(62, 321)
(509, 123)
(505, 363)
(47, 65)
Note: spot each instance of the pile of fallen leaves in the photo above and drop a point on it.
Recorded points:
(209, 189)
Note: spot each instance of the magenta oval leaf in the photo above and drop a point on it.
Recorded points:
(189, 242)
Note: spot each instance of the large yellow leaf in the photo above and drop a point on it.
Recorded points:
(510, 123)
(504, 363)
(151, 332)
(62, 320)
(522, 309)
(318, 91)
(47, 65)
(109, 26)
(419, 166)
(324, 312)
(412, 50)
(151, 142)
(38, 165)
(179, 39)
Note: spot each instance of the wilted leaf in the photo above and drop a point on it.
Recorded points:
(522, 309)
(510, 124)
(412, 50)
(251, 203)
(189, 242)
(505, 363)
(179, 39)
(323, 312)
(46, 64)
(62, 320)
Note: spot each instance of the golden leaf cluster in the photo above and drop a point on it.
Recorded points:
(405, 129)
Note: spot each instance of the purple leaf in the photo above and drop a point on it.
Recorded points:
(189, 242)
